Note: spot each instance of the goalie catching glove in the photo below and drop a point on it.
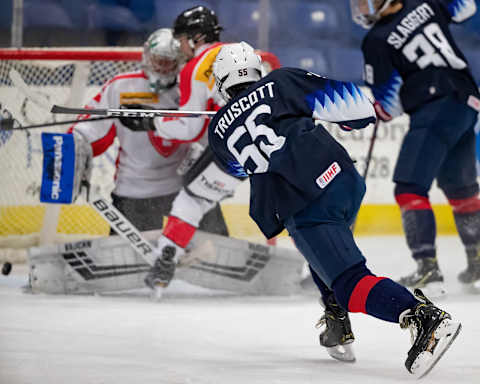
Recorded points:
(67, 166)
(137, 123)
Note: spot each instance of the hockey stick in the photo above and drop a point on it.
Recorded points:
(370, 149)
(9, 124)
(368, 161)
(122, 226)
(112, 112)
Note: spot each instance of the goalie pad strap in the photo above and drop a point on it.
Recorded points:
(179, 231)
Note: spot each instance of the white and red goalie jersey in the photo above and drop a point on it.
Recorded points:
(146, 163)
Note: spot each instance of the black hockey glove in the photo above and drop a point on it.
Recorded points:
(137, 123)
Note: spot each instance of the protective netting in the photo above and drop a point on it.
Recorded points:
(31, 81)
(28, 88)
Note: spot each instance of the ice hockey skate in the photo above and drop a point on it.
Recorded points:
(162, 272)
(471, 275)
(337, 337)
(427, 276)
(432, 331)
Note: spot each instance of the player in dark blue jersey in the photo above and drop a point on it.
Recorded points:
(303, 180)
(413, 65)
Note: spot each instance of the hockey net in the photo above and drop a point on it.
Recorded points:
(31, 81)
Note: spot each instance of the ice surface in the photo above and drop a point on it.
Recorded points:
(196, 336)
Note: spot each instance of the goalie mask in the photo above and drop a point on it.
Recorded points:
(235, 68)
(161, 59)
(367, 12)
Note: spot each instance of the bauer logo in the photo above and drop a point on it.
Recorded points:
(58, 168)
(326, 177)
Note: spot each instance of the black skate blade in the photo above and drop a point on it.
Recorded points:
(423, 368)
(342, 353)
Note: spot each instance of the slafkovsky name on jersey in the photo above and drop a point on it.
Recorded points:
(409, 24)
(242, 105)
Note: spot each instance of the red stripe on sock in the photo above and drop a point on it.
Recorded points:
(358, 298)
(179, 231)
(411, 201)
(469, 205)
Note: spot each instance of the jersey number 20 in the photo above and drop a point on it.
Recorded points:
(434, 48)
(260, 154)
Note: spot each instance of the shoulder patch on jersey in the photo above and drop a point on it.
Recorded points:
(326, 177)
(204, 72)
(138, 98)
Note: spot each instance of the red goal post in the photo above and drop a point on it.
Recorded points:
(31, 80)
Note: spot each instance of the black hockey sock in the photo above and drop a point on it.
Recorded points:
(468, 227)
(420, 232)
(418, 221)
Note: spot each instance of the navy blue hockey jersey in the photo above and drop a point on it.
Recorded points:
(267, 132)
(411, 57)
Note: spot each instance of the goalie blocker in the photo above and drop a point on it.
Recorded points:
(67, 166)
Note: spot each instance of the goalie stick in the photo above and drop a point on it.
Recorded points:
(123, 227)
(149, 113)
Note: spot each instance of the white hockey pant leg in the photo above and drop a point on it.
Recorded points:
(207, 185)
(211, 183)
(190, 208)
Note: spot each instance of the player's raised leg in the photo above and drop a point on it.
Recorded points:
(322, 234)
(205, 186)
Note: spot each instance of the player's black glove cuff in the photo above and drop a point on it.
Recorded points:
(137, 123)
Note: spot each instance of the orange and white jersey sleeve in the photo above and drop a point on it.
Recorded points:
(197, 93)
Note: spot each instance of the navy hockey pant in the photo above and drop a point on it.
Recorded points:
(321, 230)
(439, 144)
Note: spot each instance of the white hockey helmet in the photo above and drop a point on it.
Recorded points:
(161, 59)
(367, 12)
(236, 66)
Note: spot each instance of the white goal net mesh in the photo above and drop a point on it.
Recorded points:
(31, 81)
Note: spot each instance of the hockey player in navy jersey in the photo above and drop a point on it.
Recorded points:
(413, 65)
(303, 180)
